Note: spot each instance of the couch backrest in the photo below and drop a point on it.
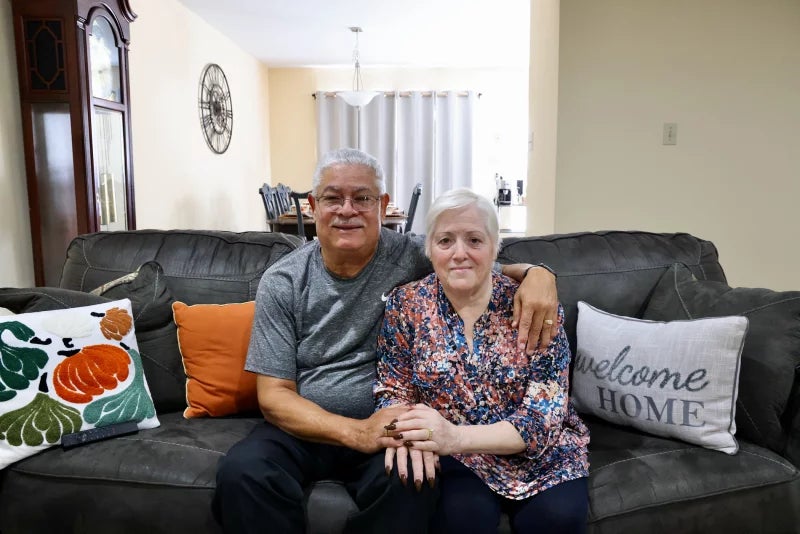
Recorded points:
(213, 267)
(200, 267)
(614, 271)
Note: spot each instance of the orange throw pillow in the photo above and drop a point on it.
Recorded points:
(213, 339)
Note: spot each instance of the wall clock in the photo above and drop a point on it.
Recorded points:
(216, 108)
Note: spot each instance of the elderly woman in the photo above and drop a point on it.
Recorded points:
(501, 422)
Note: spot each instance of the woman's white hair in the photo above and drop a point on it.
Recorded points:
(456, 199)
(347, 156)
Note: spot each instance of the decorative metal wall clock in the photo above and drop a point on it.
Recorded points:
(216, 108)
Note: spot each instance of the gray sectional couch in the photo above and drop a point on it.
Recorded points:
(162, 480)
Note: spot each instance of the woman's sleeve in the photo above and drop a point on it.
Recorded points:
(393, 383)
(541, 414)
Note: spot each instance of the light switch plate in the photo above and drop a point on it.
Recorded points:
(670, 136)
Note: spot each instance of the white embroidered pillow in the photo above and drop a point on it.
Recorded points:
(63, 371)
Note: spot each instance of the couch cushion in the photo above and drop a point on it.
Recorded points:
(35, 299)
(614, 271)
(200, 266)
(65, 371)
(675, 379)
(643, 483)
(213, 339)
(148, 475)
(771, 357)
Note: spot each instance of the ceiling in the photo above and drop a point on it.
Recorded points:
(408, 33)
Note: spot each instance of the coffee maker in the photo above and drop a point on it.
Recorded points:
(504, 196)
(503, 191)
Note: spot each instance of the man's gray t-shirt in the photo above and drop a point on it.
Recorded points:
(321, 330)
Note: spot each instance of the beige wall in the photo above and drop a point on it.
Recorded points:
(726, 71)
(293, 149)
(16, 258)
(180, 183)
(502, 114)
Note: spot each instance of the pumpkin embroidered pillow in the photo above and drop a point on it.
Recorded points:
(64, 371)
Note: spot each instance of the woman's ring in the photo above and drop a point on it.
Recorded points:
(548, 322)
(430, 434)
(386, 432)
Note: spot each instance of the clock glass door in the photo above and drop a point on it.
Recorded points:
(106, 78)
(108, 127)
(110, 163)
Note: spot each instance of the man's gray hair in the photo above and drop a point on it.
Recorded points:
(347, 156)
(457, 199)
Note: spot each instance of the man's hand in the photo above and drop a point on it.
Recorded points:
(285, 408)
(372, 429)
(535, 307)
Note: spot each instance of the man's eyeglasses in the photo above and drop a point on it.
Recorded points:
(359, 203)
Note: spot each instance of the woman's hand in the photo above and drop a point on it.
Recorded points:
(423, 464)
(423, 428)
(404, 438)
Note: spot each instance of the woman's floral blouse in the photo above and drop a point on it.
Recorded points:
(423, 357)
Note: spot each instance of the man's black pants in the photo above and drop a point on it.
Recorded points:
(261, 483)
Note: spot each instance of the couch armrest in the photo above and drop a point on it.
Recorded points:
(792, 418)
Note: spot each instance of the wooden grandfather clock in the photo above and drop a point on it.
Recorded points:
(72, 65)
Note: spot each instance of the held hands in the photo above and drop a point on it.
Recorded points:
(373, 426)
(422, 434)
(536, 309)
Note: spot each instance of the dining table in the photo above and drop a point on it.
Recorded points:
(287, 223)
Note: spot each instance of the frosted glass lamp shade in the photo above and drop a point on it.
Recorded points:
(357, 99)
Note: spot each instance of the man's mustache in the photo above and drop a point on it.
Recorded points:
(350, 221)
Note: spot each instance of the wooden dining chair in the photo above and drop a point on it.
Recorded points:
(269, 198)
(296, 197)
(283, 196)
(412, 207)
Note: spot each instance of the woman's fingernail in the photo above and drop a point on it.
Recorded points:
(408, 444)
(404, 479)
(431, 482)
(399, 436)
(418, 485)
(388, 471)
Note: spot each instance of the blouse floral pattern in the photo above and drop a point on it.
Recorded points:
(424, 357)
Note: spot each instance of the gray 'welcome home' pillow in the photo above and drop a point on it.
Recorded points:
(771, 356)
(674, 379)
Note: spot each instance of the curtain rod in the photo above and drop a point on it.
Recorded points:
(332, 94)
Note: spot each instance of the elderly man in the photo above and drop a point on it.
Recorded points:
(313, 346)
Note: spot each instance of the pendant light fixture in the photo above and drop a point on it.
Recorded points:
(358, 97)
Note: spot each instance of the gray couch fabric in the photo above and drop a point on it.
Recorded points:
(162, 480)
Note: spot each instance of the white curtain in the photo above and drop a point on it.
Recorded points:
(417, 137)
